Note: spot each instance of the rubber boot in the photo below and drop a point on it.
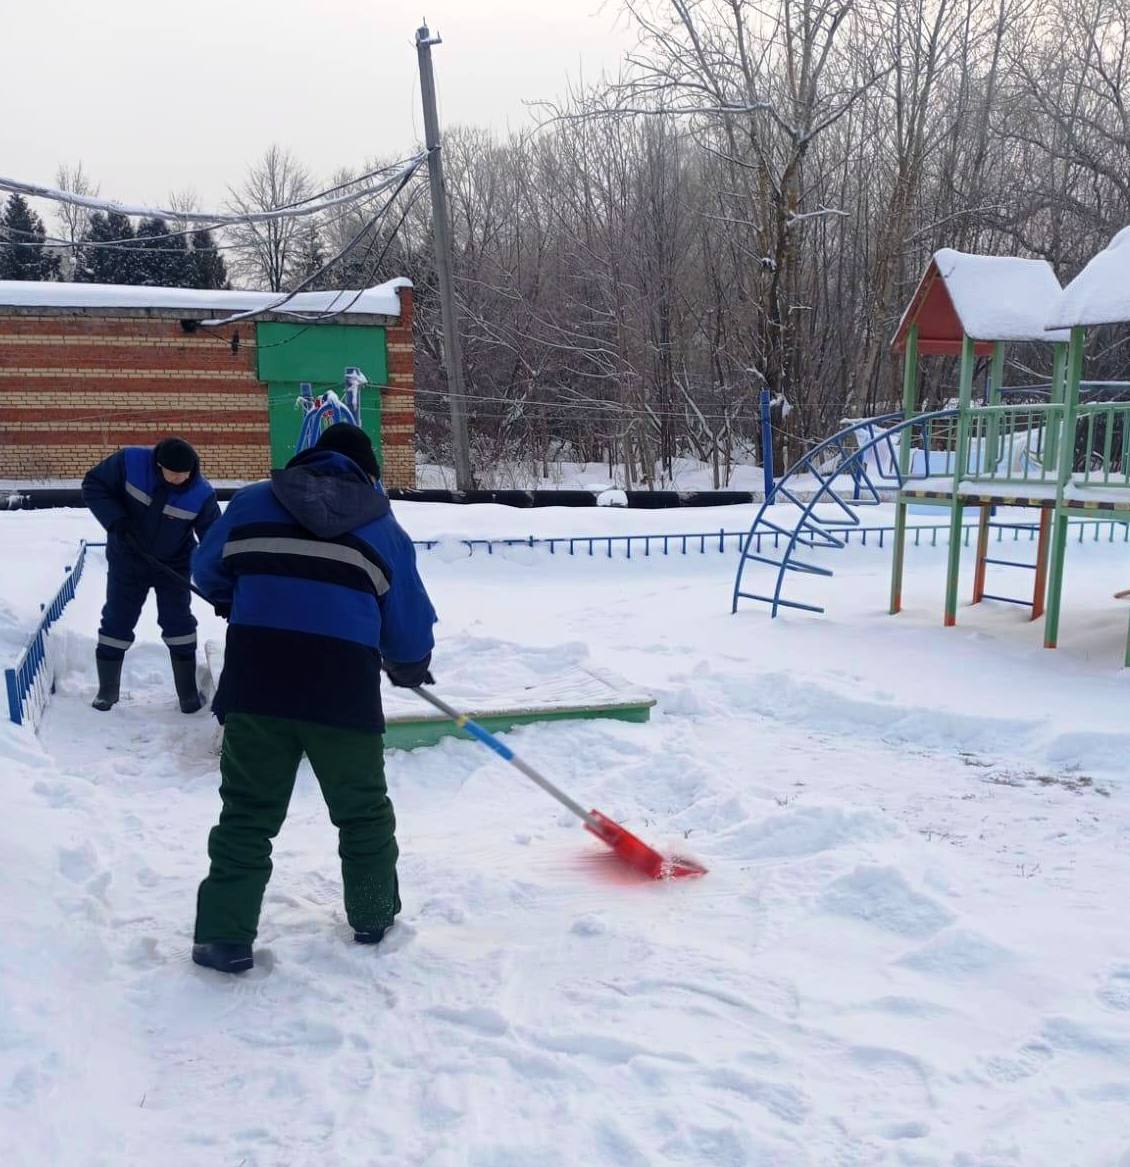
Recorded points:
(223, 957)
(109, 683)
(184, 677)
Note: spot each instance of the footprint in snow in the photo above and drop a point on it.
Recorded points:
(1026, 1062)
(486, 1021)
(905, 1130)
(1070, 1036)
(78, 864)
(1115, 994)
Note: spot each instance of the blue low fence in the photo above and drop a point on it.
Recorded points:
(31, 680)
(702, 542)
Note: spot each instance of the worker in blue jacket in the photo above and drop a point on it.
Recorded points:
(154, 504)
(319, 585)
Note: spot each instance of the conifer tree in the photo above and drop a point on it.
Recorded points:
(109, 254)
(208, 267)
(162, 257)
(23, 253)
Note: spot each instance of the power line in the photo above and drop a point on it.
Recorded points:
(218, 218)
(355, 241)
(364, 259)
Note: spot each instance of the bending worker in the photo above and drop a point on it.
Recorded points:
(154, 504)
(319, 583)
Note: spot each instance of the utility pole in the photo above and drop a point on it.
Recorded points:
(452, 351)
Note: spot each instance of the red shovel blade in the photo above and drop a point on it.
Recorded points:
(637, 854)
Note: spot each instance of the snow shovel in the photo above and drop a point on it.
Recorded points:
(627, 847)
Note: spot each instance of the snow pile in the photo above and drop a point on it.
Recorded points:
(1100, 293)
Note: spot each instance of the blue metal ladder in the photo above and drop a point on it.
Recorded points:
(847, 479)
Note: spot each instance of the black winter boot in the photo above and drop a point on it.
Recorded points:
(373, 937)
(223, 957)
(184, 677)
(109, 683)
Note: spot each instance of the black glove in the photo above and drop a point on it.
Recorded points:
(410, 676)
(222, 610)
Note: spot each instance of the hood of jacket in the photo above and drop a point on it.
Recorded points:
(328, 493)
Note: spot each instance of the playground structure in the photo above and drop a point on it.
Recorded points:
(1064, 455)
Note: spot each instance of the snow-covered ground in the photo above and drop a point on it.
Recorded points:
(911, 949)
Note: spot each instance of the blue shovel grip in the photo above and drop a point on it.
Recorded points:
(486, 737)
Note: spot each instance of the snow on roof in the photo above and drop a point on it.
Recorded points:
(1000, 297)
(1100, 293)
(985, 297)
(379, 301)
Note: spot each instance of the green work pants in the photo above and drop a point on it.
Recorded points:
(258, 766)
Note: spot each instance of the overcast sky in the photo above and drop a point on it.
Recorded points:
(155, 96)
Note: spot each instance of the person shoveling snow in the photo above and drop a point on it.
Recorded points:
(318, 582)
(154, 503)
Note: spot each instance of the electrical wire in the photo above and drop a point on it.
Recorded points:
(218, 218)
(355, 241)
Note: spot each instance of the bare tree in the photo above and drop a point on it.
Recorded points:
(269, 251)
(73, 221)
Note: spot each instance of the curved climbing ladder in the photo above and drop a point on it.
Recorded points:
(849, 470)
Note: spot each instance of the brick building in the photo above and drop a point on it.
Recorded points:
(87, 368)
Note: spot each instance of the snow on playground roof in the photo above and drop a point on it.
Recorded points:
(1100, 293)
(379, 301)
(986, 297)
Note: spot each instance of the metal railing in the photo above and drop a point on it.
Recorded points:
(31, 680)
(1102, 445)
(1014, 444)
(721, 541)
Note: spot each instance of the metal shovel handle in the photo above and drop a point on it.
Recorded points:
(504, 751)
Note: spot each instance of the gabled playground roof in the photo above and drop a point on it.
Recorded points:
(986, 297)
(1100, 293)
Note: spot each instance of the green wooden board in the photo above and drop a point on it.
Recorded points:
(411, 734)
(568, 693)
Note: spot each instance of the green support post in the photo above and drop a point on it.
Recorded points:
(990, 453)
(1066, 462)
(909, 404)
(961, 454)
(1059, 373)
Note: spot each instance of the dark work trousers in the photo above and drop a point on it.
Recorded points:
(127, 586)
(258, 765)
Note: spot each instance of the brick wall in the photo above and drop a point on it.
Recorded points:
(75, 385)
(398, 403)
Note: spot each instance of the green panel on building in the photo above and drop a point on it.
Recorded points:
(289, 354)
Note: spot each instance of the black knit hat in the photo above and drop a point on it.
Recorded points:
(353, 442)
(175, 454)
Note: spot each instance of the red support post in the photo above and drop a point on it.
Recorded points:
(1040, 588)
(982, 554)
